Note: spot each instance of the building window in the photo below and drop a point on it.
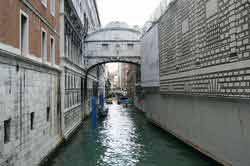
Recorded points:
(66, 81)
(130, 45)
(52, 50)
(66, 46)
(69, 79)
(52, 7)
(7, 125)
(105, 45)
(69, 47)
(117, 46)
(48, 114)
(24, 31)
(44, 46)
(44, 2)
(32, 116)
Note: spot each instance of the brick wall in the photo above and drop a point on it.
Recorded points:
(10, 22)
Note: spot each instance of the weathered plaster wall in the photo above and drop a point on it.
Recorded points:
(24, 89)
(218, 128)
(150, 58)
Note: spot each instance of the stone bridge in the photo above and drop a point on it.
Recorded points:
(117, 42)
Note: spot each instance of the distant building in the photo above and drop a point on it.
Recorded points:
(132, 80)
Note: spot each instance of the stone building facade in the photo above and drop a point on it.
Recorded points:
(77, 19)
(205, 48)
(42, 71)
(150, 74)
(30, 117)
(204, 77)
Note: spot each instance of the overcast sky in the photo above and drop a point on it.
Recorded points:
(133, 12)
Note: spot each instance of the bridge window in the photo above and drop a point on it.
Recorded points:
(117, 46)
(130, 45)
(105, 45)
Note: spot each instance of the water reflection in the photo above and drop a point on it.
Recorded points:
(126, 138)
(119, 139)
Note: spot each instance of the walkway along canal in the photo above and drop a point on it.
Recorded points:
(126, 138)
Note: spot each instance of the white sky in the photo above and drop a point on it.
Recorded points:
(133, 12)
(112, 67)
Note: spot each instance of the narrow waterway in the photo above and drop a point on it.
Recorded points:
(126, 138)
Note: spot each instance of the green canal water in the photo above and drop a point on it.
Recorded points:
(126, 138)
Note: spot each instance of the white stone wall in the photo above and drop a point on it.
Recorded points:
(87, 7)
(218, 128)
(204, 48)
(150, 58)
(22, 91)
(74, 67)
(72, 101)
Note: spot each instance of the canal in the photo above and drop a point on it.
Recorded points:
(126, 138)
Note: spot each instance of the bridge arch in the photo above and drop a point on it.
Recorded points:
(137, 63)
(117, 42)
(111, 61)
